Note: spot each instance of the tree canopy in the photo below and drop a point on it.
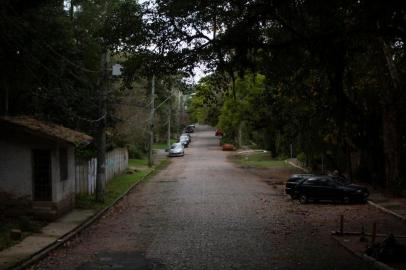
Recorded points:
(324, 76)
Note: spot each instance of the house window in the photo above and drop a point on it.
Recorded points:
(63, 163)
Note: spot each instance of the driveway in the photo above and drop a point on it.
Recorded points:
(203, 212)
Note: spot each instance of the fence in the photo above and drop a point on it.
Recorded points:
(85, 171)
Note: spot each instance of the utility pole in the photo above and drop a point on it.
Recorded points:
(151, 124)
(169, 126)
(101, 132)
(291, 150)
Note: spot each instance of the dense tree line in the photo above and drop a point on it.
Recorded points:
(333, 77)
(325, 76)
(53, 66)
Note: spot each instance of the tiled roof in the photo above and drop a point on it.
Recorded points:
(48, 129)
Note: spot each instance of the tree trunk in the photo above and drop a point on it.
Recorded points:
(101, 132)
(240, 134)
(391, 147)
(391, 142)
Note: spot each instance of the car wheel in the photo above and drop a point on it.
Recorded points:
(303, 199)
(346, 200)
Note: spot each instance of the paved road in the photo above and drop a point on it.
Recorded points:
(203, 212)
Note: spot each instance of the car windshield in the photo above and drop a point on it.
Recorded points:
(342, 181)
(175, 145)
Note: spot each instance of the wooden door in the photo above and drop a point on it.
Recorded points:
(42, 179)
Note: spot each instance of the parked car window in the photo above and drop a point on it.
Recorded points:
(310, 182)
(331, 183)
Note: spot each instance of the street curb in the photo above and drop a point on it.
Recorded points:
(368, 259)
(66, 237)
(402, 218)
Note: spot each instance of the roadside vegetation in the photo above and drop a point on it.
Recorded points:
(260, 160)
(137, 171)
(163, 145)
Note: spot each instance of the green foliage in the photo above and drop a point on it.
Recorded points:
(207, 99)
(301, 157)
(334, 76)
(120, 184)
(135, 152)
(163, 145)
(53, 56)
(261, 160)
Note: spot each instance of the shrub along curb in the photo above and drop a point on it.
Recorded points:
(65, 238)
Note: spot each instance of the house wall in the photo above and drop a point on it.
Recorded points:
(63, 192)
(16, 170)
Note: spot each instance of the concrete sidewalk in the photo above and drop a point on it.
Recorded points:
(390, 205)
(37, 242)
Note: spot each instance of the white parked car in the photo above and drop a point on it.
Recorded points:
(176, 150)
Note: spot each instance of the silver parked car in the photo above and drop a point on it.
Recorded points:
(188, 136)
(184, 140)
(176, 150)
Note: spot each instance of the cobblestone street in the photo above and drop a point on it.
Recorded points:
(204, 212)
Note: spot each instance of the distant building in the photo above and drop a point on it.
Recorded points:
(37, 165)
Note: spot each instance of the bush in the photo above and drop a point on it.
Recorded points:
(301, 157)
(135, 152)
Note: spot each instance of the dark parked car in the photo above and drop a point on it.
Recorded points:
(327, 188)
(290, 187)
(189, 129)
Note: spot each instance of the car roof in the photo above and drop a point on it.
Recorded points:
(317, 177)
(301, 175)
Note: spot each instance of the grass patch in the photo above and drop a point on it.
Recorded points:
(120, 184)
(260, 160)
(137, 162)
(114, 189)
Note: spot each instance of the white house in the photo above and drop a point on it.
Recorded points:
(37, 164)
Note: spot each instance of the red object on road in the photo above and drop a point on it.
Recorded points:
(228, 147)
(219, 132)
